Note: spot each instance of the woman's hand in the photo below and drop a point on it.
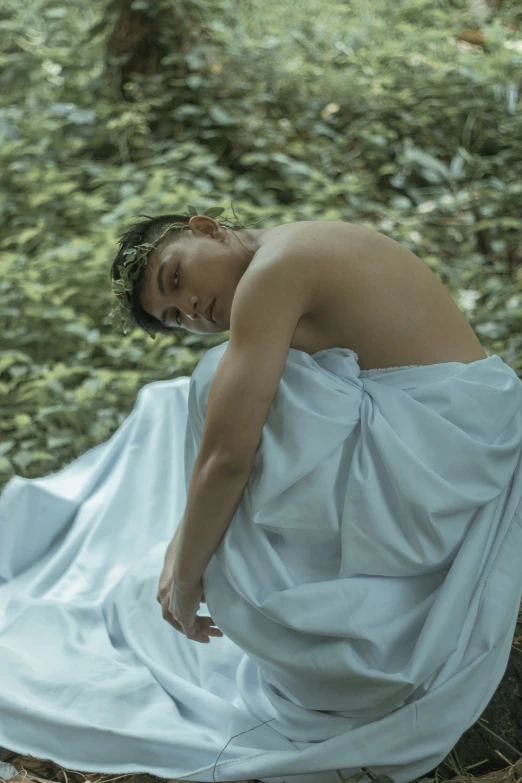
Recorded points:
(180, 602)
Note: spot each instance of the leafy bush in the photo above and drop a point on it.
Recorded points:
(371, 113)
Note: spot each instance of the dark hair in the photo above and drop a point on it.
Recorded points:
(147, 231)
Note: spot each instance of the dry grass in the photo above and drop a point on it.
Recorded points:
(32, 770)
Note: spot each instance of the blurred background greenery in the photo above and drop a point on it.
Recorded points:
(404, 117)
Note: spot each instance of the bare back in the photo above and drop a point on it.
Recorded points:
(374, 296)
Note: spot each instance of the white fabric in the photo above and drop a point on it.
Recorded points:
(367, 586)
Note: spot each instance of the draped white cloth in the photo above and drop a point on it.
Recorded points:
(367, 586)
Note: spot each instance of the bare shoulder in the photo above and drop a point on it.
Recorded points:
(320, 245)
(301, 231)
(317, 239)
(316, 252)
(275, 280)
(365, 291)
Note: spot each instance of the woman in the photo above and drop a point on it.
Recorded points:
(340, 481)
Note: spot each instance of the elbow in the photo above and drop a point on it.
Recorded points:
(240, 461)
(235, 456)
(230, 464)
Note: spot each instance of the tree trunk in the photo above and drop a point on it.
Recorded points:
(134, 43)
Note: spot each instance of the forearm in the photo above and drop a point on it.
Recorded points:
(214, 494)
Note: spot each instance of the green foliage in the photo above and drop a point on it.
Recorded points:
(372, 113)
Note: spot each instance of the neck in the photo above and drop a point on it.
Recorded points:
(250, 239)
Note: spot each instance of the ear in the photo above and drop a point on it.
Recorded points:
(205, 226)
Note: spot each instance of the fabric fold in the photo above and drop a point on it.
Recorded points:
(368, 585)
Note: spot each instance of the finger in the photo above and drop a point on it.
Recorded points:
(197, 631)
(205, 620)
(205, 627)
(215, 632)
(200, 632)
(207, 623)
(201, 637)
(195, 635)
(210, 630)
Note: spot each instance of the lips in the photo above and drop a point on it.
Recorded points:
(208, 311)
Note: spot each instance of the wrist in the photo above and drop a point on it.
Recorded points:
(183, 579)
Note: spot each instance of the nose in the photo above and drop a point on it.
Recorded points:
(192, 308)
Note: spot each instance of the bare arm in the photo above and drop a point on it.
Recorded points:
(265, 313)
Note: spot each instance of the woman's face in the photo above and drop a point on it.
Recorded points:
(185, 275)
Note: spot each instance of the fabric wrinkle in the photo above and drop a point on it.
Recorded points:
(358, 584)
